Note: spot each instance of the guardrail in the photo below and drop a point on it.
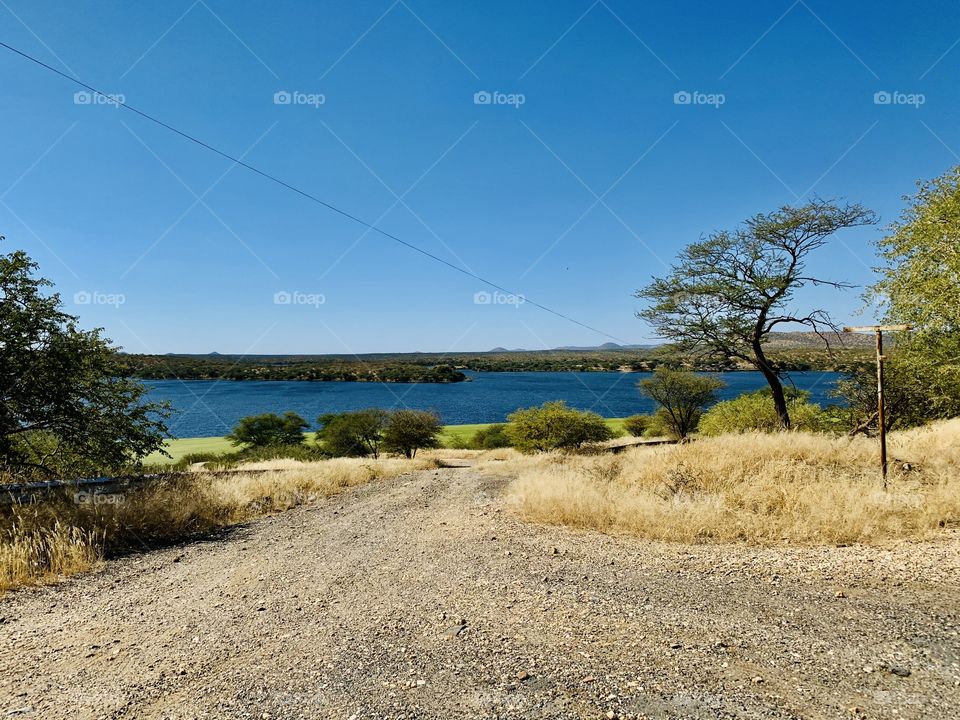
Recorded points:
(33, 492)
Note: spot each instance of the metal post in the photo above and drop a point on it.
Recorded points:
(880, 414)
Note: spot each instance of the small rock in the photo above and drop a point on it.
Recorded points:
(454, 630)
(840, 594)
(523, 675)
(899, 671)
(554, 551)
(676, 646)
(756, 679)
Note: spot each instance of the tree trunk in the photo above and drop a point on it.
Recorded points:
(776, 387)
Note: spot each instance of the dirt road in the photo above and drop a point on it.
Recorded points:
(352, 608)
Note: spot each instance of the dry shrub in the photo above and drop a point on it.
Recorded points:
(60, 536)
(759, 488)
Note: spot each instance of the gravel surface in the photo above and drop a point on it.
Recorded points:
(425, 597)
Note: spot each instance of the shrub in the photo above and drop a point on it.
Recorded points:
(353, 434)
(407, 431)
(637, 425)
(754, 411)
(490, 438)
(269, 429)
(682, 395)
(554, 426)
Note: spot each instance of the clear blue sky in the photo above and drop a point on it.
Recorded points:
(107, 202)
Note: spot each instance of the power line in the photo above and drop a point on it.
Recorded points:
(299, 191)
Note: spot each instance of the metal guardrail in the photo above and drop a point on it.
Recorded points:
(31, 492)
(35, 491)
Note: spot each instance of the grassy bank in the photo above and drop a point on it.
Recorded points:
(186, 446)
(758, 488)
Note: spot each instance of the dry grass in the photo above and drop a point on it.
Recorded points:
(46, 541)
(758, 488)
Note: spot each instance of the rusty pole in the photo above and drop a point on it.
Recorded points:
(881, 413)
(881, 420)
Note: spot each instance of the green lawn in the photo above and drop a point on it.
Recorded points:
(184, 446)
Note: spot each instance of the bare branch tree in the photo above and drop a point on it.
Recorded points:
(728, 292)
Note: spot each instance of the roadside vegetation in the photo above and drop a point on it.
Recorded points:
(760, 488)
(71, 532)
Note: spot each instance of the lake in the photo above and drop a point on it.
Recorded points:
(212, 407)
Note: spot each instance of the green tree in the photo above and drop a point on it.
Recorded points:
(353, 434)
(920, 286)
(410, 430)
(731, 290)
(269, 429)
(637, 425)
(681, 396)
(63, 410)
(554, 426)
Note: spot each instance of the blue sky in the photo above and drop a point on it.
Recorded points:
(575, 183)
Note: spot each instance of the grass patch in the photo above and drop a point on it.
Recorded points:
(757, 488)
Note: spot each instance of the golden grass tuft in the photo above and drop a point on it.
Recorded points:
(45, 541)
(758, 488)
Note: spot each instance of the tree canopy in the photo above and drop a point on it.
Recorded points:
(63, 410)
(682, 396)
(269, 429)
(920, 286)
(729, 291)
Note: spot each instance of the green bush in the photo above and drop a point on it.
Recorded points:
(269, 429)
(554, 426)
(407, 431)
(353, 434)
(755, 411)
(490, 438)
(637, 425)
(660, 426)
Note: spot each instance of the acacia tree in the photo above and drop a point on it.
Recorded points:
(728, 292)
(63, 408)
(682, 396)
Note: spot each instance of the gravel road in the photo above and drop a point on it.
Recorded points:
(425, 597)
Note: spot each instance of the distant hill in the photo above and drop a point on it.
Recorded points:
(807, 340)
(579, 348)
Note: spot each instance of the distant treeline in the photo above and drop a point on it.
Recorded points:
(437, 368)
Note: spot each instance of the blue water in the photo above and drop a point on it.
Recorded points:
(212, 407)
